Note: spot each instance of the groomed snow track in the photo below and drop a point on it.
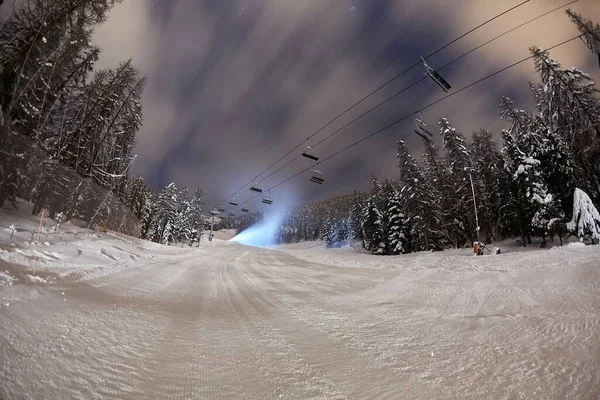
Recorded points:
(245, 323)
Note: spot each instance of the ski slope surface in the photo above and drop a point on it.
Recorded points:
(106, 318)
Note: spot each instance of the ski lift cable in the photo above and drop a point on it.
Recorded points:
(407, 116)
(382, 86)
(446, 66)
(416, 83)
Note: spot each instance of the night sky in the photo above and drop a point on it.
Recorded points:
(234, 84)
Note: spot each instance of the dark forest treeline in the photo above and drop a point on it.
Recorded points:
(68, 131)
(544, 180)
(239, 222)
(55, 102)
(310, 221)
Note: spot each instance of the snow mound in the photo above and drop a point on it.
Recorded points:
(224, 234)
(586, 218)
(37, 279)
(6, 279)
(69, 253)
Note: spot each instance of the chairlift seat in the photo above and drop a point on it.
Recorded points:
(309, 152)
(435, 77)
(422, 129)
(245, 209)
(255, 188)
(317, 177)
(267, 199)
(310, 156)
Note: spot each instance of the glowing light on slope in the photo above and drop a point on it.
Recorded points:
(261, 234)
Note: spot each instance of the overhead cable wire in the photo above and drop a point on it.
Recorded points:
(419, 81)
(404, 118)
(378, 89)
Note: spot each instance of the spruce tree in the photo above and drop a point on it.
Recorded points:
(490, 181)
(147, 218)
(370, 226)
(45, 48)
(434, 186)
(327, 231)
(524, 149)
(165, 215)
(12, 163)
(355, 217)
(397, 228)
(458, 215)
(182, 226)
(569, 113)
(417, 201)
(589, 30)
(100, 124)
(196, 208)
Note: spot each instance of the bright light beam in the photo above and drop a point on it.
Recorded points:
(261, 234)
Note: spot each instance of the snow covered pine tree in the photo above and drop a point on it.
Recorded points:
(586, 219)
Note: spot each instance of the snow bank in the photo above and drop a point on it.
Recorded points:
(69, 251)
(458, 259)
(6, 279)
(575, 245)
(223, 234)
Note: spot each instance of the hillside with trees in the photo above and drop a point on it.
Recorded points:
(68, 130)
(541, 179)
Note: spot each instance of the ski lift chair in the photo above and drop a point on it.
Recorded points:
(268, 199)
(422, 129)
(231, 214)
(233, 202)
(221, 209)
(317, 177)
(310, 153)
(256, 188)
(435, 77)
(245, 209)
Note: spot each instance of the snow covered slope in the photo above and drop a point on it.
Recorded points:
(34, 254)
(225, 321)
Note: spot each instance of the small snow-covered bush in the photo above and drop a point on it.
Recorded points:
(586, 219)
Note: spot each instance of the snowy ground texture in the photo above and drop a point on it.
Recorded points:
(111, 318)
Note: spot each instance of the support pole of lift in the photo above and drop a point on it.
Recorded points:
(212, 223)
(474, 205)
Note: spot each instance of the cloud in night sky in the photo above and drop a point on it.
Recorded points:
(233, 85)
